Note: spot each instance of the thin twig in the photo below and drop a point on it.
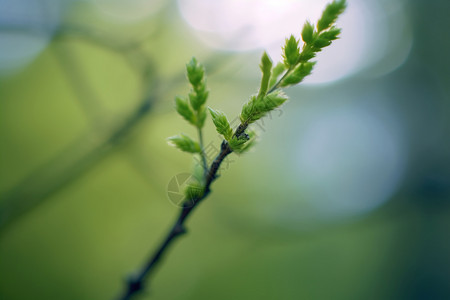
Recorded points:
(277, 85)
(202, 153)
(136, 284)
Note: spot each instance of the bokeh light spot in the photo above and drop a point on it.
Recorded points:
(374, 34)
(349, 162)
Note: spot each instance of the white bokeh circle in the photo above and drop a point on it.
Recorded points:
(372, 31)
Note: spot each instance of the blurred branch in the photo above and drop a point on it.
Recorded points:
(78, 157)
(86, 151)
(65, 167)
(74, 30)
(84, 93)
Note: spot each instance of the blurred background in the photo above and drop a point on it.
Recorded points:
(346, 195)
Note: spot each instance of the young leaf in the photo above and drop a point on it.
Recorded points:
(256, 108)
(184, 143)
(307, 32)
(184, 110)
(303, 70)
(198, 98)
(330, 14)
(249, 144)
(195, 72)
(272, 101)
(221, 122)
(307, 54)
(331, 34)
(236, 144)
(291, 52)
(250, 111)
(320, 43)
(266, 69)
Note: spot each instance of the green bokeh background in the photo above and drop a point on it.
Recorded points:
(84, 168)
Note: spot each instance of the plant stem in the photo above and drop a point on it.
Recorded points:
(136, 284)
(276, 86)
(305, 48)
(202, 153)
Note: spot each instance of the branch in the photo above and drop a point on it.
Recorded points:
(136, 284)
(277, 84)
(298, 66)
(202, 153)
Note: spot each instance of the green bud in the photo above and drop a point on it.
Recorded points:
(236, 144)
(272, 101)
(320, 43)
(221, 123)
(249, 144)
(250, 111)
(256, 108)
(184, 110)
(184, 143)
(308, 32)
(291, 52)
(331, 35)
(266, 69)
(303, 70)
(307, 55)
(198, 98)
(198, 172)
(195, 72)
(330, 14)
(194, 190)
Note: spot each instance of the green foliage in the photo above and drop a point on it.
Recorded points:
(308, 32)
(238, 143)
(272, 101)
(258, 107)
(320, 43)
(300, 72)
(291, 52)
(185, 110)
(330, 35)
(296, 64)
(184, 143)
(266, 69)
(324, 39)
(194, 190)
(194, 111)
(198, 97)
(330, 14)
(250, 140)
(221, 123)
(307, 54)
(195, 72)
(313, 42)
(249, 112)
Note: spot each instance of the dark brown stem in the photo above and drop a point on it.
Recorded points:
(136, 284)
(241, 129)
